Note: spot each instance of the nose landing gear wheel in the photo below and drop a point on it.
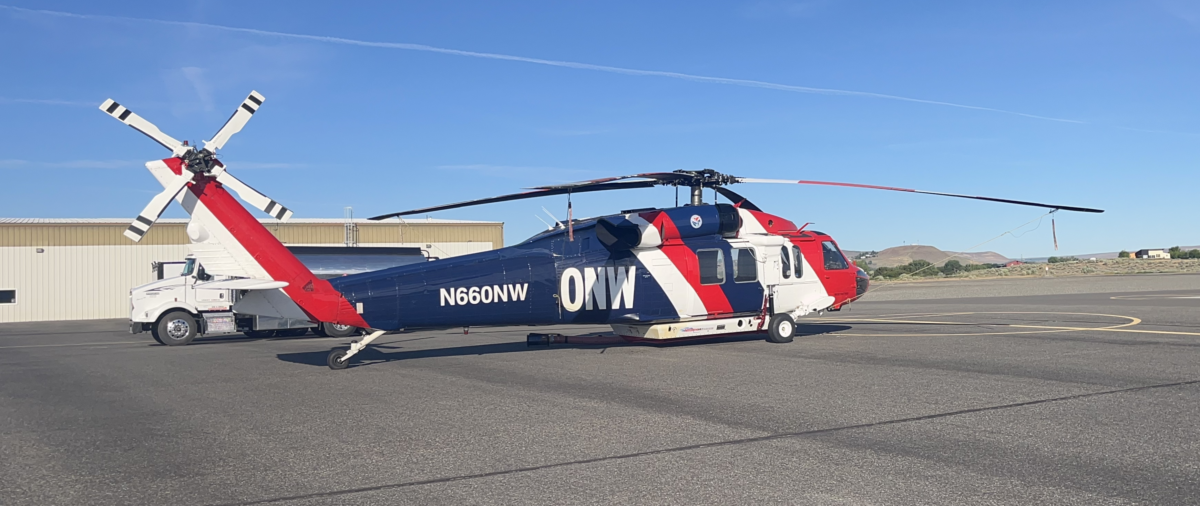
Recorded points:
(336, 360)
(782, 329)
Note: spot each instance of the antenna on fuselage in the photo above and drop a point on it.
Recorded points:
(548, 226)
(551, 217)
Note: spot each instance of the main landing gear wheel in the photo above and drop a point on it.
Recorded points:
(176, 328)
(338, 360)
(782, 329)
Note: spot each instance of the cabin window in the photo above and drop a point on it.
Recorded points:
(745, 266)
(798, 261)
(712, 266)
(8, 296)
(834, 260)
(785, 261)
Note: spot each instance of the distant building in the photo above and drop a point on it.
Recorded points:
(1014, 263)
(1152, 253)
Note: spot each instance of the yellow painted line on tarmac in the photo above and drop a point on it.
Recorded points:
(1115, 329)
(1043, 329)
(72, 344)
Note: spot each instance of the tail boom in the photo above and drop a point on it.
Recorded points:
(221, 225)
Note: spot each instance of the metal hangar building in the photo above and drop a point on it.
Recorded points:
(80, 269)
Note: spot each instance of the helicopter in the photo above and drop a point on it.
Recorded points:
(694, 271)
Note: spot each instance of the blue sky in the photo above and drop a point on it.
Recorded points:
(1101, 100)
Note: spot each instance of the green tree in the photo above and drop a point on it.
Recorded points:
(1124, 254)
(952, 267)
(1056, 260)
(1177, 252)
(1194, 253)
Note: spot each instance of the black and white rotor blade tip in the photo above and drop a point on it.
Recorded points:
(126, 116)
(155, 208)
(252, 196)
(908, 190)
(235, 123)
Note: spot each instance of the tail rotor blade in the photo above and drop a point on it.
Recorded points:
(252, 196)
(126, 116)
(155, 208)
(235, 122)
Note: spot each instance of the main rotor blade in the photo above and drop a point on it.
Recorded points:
(873, 187)
(155, 208)
(657, 177)
(736, 198)
(126, 116)
(235, 123)
(622, 185)
(252, 196)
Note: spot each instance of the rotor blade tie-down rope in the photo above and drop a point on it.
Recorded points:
(1054, 230)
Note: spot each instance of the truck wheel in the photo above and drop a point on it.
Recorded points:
(320, 330)
(176, 328)
(259, 334)
(154, 334)
(336, 330)
(782, 329)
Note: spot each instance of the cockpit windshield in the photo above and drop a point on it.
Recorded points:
(189, 267)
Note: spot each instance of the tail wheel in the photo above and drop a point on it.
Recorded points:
(176, 328)
(337, 359)
(338, 330)
(782, 329)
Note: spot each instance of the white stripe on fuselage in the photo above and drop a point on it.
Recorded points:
(672, 282)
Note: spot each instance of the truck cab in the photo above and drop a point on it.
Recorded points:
(177, 309)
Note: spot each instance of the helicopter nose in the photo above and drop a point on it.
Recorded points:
(861, 282)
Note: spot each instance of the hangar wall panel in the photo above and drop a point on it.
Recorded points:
(77, 282)
(88, 266)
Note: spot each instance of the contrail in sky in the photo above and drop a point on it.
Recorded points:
(539, 61)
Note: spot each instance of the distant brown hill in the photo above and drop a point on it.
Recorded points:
(901, 255)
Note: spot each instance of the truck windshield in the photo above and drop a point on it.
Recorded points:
(189, 267)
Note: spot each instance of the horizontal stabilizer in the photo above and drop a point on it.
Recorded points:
(243, 284)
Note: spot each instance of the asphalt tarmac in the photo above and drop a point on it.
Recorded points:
(933, 394)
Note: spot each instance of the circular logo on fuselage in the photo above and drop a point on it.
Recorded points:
(696, 221)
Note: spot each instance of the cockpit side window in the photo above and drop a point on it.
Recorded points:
(785, 262)
(798, 260)
(834, 260)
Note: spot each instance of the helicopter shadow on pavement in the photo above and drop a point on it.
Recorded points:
(384, 353)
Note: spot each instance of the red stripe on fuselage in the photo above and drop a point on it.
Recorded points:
(714, 299)
(315, 296)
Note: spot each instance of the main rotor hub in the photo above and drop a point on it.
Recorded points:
(200, 161)
(707, 178)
